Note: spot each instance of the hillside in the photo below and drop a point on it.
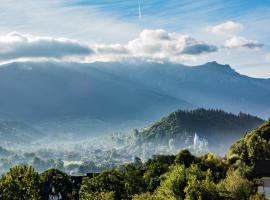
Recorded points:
(14, 132)
(218, 127)
(253, 146)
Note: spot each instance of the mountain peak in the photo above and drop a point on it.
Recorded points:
(217, 67)
(215, 63)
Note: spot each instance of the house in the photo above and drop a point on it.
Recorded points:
(262, 170)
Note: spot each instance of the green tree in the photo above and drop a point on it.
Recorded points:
(238, 187)
(254, 146)
(185, 157)
(21, 182)
(60, 181)
(205, 189)
(173, 184)
(217, 165)
(107, 181)
(154, 168)
(133, 180)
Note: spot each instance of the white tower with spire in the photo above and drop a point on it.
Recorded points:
(196, 140)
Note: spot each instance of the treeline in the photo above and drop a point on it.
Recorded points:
(163, 177)
(182, 176)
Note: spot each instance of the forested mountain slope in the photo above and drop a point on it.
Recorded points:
(219, 128)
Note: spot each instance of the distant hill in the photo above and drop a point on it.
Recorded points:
(12, 132)
(4, 152)
(218, 127)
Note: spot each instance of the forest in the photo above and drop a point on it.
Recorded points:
(174, 177)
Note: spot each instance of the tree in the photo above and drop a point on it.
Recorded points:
(107, 181)
(254, 146)
(133, 180)
(238, 187)
(185, 157)
(173, 184)
(205, 189)
(217, 165)
(58, 181)
(154, 168)
(21, 182)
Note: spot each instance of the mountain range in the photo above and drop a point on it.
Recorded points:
(113, 93)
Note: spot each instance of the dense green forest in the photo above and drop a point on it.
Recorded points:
(209, 122)
(173, 177)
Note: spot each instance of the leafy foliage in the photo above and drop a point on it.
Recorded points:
(154, 168)
(98, 196)
(202, 188)
(111, 180)
(254, 146)
(21, 182)
(236, 186)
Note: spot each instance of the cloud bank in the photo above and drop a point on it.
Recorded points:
(16, 46)
(157, 45)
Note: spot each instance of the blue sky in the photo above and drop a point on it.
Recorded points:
(103, 24)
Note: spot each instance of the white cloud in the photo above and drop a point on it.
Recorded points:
(17, 46)
(241, 42)
(226, 28)
(157, 45)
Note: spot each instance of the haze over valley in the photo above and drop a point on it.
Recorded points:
(77, 107)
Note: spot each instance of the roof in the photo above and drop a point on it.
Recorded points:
(262, 168)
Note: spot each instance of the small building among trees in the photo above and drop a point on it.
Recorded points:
(262, 169)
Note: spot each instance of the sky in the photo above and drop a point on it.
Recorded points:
(234, 32)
